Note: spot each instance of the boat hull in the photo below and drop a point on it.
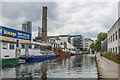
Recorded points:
(38, 58)
(10, 62)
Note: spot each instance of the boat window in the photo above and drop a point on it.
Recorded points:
(23, 46)
(30, 46)
(36, 46)
(11, 46)
(6, 56)
(5, 45)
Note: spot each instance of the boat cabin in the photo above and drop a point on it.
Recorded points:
(8, 49)
(35, 48)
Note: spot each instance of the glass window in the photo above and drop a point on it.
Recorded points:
(116, 35)
(116, 49)
(36, 46)
(23, 46)
(113, 49)
(5, 45)
(119, 49)
(113, 36)
(109, 39)
(30, 46)
(11, 46)
(119, 33)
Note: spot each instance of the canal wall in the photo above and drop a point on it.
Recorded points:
(107, 69)
(98, 72)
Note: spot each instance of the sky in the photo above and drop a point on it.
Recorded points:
(81, 18)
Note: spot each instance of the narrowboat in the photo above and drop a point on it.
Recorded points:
(36, 51)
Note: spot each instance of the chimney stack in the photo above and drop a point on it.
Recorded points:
(44, 24)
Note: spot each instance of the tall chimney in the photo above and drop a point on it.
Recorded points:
(44, 24)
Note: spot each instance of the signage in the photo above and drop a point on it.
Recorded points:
(14, 33)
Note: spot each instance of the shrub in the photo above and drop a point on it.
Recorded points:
(112, 56)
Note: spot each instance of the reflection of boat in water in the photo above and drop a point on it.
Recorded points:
(37, 51)
(78, 52)
(31, 71)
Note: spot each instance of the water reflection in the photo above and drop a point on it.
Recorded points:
(72, 67)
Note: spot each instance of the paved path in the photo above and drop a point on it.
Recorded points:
(107, 68)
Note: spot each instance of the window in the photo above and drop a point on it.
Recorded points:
(119, 33)
(113, 49)
(119, 49)
(116, 49)
(5, 45)
(11, 46)
(6, 56)
(30, 46)
(113, 36)
(36, 46)
(23, 46)
(116, 35)
(109, 39)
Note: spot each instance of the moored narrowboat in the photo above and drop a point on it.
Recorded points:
(36, 51)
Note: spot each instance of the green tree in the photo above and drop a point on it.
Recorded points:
(101, 36)
(92, 45)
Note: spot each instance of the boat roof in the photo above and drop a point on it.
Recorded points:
(43, 44)
(7, 41)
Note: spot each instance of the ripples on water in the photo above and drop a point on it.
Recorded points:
(79, 66)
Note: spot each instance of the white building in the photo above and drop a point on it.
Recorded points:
(61, 44)
(114, 37)
(75, 40)
(87, 43)
(64, 37)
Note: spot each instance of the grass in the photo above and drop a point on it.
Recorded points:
(112, 56)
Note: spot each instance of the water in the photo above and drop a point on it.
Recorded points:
(79, 66)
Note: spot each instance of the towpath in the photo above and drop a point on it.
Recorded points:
(107, 68)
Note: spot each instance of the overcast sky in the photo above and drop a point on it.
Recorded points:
(82, 18)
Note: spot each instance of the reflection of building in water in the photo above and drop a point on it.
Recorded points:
(77, 62)
(6, 73)
(29, 70)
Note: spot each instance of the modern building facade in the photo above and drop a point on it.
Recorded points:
(114, 37)
(27, 27)
(78, 42)
(87, 43)
(104, 45)
(39, 32)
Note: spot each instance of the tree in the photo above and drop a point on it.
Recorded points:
(92, 45)
(101, 36)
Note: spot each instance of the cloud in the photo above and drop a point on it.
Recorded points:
(85, 18)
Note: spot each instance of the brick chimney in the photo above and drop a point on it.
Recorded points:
(44, 24)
